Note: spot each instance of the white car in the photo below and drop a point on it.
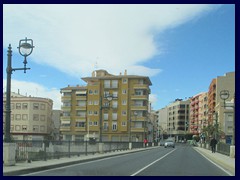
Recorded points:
(169, 143)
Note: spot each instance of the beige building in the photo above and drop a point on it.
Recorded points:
(84, 108)
(178, 118)
(220, 115)
(31, 117)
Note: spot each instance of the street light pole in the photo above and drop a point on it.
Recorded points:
(25, 49)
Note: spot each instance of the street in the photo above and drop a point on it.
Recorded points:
(182, 160)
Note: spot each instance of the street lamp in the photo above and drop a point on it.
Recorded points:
(224, 95)
(25, 49)
(109, 98)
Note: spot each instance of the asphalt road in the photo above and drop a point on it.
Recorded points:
(182, 160)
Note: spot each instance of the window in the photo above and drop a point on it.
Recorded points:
(90, 112)
(24, 128)
(42, 117)
(66, 114)
(107, 83)
(18, 116)
(90, 103)
(114, 126)
(17, 128)
(105, 116)
(36, 117)
(35, 106)
(80, 124)
(24, 106)
(43, 106)
(12, 117)
(139, 92)
(114, 104)
(115, 94)
(114, 83)
(114, 116)
(124, 113)
(42, 128)
(95, 102)
(105, 126)
(124, 81)
(124, 91)
(95, 123)
(81, 113)
(24, 117)
(90, 123)
(90, 91)
(95, 113)
(18, 105)
(81, 103)
(124, 102)
(124, 123)
(35, 128)
(96, 92)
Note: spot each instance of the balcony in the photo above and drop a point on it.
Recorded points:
(83, 129)
(139, 97)
(65, 128)
(63, 98)
(82, 108)
(139, 108)
(66, 108)
(140, 86)
(133, 129)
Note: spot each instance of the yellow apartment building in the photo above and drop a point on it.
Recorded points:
(109, 108)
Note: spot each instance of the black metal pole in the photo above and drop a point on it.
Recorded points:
(8, 96)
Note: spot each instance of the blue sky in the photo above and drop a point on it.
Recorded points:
(180, 47)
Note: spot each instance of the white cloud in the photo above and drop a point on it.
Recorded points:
(35, 90)
(72, 38)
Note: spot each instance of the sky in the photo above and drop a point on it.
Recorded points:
(181, 47)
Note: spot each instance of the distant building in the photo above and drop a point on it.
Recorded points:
(31, 117)
(178, 118)
(198, 113)
(82, 107)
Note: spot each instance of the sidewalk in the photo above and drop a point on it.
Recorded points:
(222, 160)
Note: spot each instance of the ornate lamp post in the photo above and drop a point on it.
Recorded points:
(25, 49)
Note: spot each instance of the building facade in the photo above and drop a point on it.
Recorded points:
(198, 113)
(178, 118)
(99, 117)
(31, 117)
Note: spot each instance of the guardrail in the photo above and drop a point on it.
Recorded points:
(43, 150)
(222, 148)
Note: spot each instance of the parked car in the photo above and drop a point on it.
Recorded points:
(169, 143)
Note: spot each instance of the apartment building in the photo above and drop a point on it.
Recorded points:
(111, 106)
(216, 111)
(198, 113)
(178, 118)
(31, 117)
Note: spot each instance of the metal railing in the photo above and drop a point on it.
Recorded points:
(44, 150)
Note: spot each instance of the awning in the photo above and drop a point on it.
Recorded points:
(66, 90)
(81, 92)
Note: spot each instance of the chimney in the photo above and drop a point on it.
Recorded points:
(125, 72)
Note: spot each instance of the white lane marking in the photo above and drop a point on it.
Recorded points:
(80, 163)
(215, 163)
(152, 163)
